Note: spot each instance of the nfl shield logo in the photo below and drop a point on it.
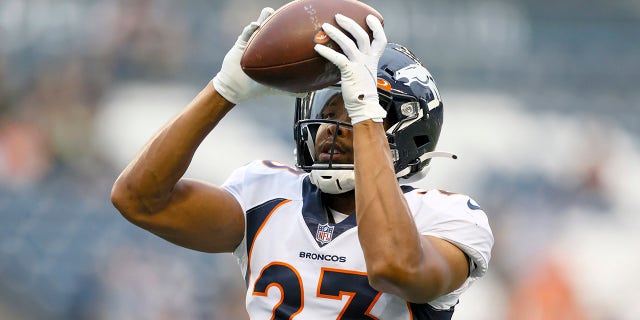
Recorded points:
(324, 233)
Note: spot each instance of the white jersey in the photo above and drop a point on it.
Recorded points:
(299, 266)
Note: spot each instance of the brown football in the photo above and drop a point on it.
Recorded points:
(280, 53)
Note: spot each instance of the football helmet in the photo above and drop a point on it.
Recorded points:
(407, 91)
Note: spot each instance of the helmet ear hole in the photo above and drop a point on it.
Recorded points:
(421, 141)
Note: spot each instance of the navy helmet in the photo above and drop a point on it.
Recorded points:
(413, 123)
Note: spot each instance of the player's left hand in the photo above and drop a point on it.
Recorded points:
(358, 65)
(231, 82)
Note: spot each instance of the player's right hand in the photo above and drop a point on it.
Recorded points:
(231, 82)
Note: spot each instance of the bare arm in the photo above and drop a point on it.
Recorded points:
(399, 260)
(150, 192)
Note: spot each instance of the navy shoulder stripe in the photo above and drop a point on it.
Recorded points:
(407, 189)
(256, 217)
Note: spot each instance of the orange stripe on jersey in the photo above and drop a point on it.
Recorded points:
(283, 202)
(281, 166)
(373, 304)
(447, 193)
(410, 311)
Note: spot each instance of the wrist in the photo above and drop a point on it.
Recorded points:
(217, 96)
(224, 90)
(371, 111)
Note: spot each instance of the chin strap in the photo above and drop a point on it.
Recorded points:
(333, 181)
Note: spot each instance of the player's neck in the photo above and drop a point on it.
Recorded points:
(344, 202)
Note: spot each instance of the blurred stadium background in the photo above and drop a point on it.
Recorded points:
(542, 106)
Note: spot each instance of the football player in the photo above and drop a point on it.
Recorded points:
(338, 236)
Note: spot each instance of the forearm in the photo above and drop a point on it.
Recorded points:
(399, 260)
(386, 228)
(154, 172)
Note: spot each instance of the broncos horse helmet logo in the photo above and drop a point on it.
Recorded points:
(416, 73)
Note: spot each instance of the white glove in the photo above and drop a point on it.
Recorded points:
(231, 82)
(358, 66)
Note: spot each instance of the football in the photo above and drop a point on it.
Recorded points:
(280, 53)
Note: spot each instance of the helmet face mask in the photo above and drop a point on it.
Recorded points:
(321, 111)
(413, 123)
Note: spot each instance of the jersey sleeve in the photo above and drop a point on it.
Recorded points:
(257, 183)
(234, 184)
(458, 219)
(263, 180)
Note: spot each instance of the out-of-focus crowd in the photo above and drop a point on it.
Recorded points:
(559, 187)
(56, 63)
(65, 252)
